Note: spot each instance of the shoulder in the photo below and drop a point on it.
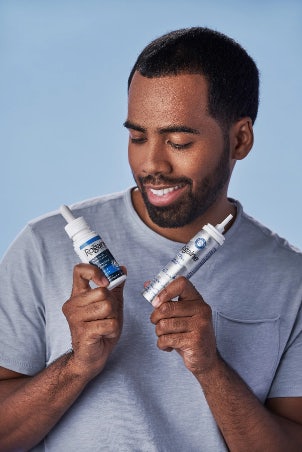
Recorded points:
(269, 237)
(110, 201)
(91, 209)
(47, 231)
(263, 244)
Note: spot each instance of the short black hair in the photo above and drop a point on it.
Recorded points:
(232, 75)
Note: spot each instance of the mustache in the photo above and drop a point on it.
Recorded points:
(161, 180)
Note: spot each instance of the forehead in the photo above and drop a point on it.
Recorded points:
(171, 98)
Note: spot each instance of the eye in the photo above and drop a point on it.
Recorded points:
(179, 146)
(137, 137)
(137, 140)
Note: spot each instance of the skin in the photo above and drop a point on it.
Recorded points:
(186, 326)
(31, 406)
(159, 156)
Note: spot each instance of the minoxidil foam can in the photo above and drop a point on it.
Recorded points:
(91, 249)
(189, 258)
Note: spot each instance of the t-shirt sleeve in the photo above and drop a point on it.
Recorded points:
(288, 379)
(22, 319)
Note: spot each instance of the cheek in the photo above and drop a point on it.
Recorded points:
(130, 156)
(134, 160)
(201, 171)
(196, 168)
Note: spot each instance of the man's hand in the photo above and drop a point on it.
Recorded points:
(185, 325)
(95, 317)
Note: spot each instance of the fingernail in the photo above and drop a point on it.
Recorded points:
(155, 302)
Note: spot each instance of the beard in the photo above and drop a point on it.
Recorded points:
(186, 210)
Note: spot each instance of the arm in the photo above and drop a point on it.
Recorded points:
(245, 423)
(31, 406)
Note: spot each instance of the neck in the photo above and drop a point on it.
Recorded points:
(215, 214)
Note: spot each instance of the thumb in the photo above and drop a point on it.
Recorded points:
(180, 288)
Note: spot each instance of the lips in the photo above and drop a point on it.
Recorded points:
(163, 196)
(163, 191)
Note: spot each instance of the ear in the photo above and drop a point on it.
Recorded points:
(241, 138)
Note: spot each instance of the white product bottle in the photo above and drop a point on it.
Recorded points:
(189, 258)
(91, 249)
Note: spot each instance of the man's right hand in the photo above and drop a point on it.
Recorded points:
(37, 403)
(95, 318)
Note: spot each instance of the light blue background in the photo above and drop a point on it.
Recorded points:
(63, 71)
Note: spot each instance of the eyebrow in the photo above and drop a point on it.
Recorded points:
(131, 125)
(169, 129)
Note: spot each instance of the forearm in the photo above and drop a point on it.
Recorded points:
(244, 422)
(32, 410)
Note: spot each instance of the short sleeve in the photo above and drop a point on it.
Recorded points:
(22, 319)
(288, 379)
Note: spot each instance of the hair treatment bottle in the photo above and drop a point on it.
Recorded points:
(91, 249)
(189, 258)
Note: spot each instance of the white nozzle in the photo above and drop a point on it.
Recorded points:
(74, 225)
(221, 226)
(67, 214)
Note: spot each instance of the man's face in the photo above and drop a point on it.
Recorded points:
(177, 152)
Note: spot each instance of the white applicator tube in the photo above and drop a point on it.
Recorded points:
(91, 249)
(189, 258)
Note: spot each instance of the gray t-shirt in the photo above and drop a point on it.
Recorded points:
(145, 399)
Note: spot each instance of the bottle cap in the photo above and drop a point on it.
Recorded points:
(74, 225)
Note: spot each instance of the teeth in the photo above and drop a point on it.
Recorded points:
(163, 191)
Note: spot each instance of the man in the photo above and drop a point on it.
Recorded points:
(94, 377)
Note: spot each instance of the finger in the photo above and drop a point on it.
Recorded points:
(92, 305)
(96, 311)
(180, 316)
(172, 326)
(172, 341)
(97, 294)
(146, 283)
(180, 287)
(91, 332)
(109, 328)
(179, 309)
(83, 274)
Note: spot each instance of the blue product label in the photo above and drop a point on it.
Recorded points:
(96, 253)
(94, 239)
(106, 262)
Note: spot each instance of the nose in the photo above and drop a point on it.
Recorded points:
(156, 158)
